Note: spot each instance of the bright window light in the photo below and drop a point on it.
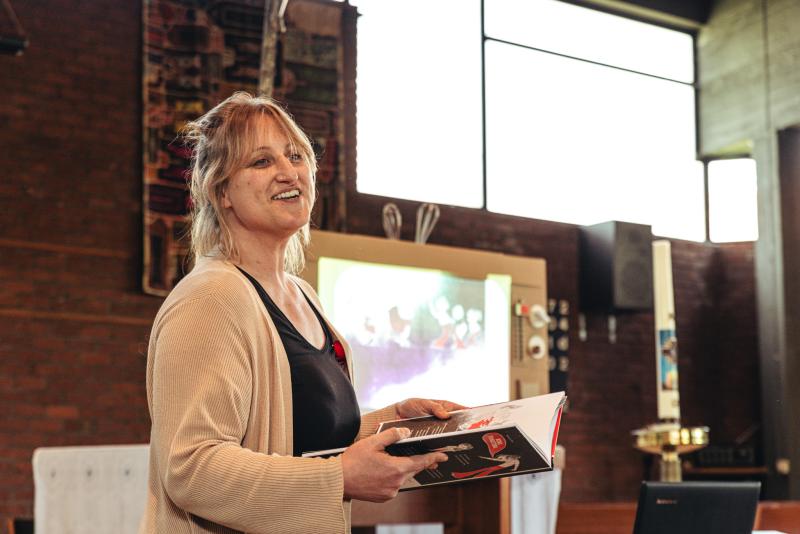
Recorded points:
(581, 143)
(568, 140)
(593, 35)
(418, 91)
(732, 202)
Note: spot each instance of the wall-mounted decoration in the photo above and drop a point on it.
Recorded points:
(427, 217)
(392, 220)
(558, 335)
(197, 54)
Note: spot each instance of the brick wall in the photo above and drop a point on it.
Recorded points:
(74, 324)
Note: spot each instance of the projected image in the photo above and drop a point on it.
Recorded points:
(419, 332)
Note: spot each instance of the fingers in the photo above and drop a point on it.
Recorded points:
(451, 406)
(425, 461)
(439, 410)
(437, 457)
(434, 407)
(387, 437)
(421, 407)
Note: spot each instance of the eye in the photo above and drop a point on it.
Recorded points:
(260, 162)
(295, 158)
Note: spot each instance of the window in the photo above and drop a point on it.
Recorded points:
(419, 100)
(581, 143)
(553, 111)
(603, 110)
(593, 36)
(732, 202)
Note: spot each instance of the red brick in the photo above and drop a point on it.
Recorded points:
(62, 412)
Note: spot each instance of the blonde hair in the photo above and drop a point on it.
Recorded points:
(220, 141)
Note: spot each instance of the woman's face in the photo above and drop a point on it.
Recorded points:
(272, 193)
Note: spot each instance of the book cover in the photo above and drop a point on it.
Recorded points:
(497, 440)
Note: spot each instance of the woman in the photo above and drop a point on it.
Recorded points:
(242, 374)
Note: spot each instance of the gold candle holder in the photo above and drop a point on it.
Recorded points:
(669, 440)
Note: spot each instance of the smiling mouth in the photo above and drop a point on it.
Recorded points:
(287, 195)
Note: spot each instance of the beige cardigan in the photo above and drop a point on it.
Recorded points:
(220, 397)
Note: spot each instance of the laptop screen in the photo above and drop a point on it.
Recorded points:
(696, 507)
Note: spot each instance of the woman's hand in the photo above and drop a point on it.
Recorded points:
(421, 407)
(371, 474)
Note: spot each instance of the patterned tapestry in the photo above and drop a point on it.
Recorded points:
(198, 52)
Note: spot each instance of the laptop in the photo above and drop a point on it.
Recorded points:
(696, 507)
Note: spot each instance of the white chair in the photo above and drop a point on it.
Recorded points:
(90, 490)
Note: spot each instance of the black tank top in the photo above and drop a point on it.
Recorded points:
(325, 409)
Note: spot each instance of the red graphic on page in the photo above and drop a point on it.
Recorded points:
(496, 442)
(504, 462)
(479, 424)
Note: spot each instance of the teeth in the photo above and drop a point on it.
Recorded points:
(288, 194)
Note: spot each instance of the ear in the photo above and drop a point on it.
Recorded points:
(226, 201)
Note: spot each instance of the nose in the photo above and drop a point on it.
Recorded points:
(286, 171)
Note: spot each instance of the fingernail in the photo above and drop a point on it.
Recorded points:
(404, 433)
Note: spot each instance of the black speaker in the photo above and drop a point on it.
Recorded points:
(616, 267)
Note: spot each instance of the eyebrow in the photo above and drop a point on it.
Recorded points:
(287, 147)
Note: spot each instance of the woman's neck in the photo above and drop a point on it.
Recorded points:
(263, 258)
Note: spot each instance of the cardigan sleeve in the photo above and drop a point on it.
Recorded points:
(371, 420)
(201, 392)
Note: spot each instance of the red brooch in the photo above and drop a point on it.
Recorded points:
(338, 350)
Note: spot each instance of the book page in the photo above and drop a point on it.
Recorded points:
(535, 416)
(495, 452)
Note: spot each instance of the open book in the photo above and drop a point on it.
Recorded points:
(497, 440)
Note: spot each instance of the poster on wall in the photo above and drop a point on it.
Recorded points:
(195, 54)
